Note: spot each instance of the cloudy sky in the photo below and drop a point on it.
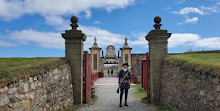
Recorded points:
(31, 28)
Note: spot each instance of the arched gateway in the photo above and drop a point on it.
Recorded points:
(110, 62)
(74, 39)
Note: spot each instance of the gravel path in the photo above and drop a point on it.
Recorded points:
(107, 81)
(108, 100)
(115, 74)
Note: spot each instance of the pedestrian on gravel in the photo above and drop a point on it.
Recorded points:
(124, 83)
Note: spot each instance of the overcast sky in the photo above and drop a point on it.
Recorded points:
(32, 28)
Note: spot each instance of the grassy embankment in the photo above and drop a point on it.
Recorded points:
(15, 69)
(143, 95)
(204, 63)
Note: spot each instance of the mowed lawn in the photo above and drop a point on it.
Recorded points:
(12, 66)
(204, 63)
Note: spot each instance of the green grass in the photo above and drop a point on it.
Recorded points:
(143, 95)
(140, 93)
(14, 69)
(208, 63)
(162, 107)
(204, 51)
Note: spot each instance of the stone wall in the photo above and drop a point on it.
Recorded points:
(137, 67)
(189, 91)
(49, 91)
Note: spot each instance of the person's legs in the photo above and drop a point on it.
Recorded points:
(121, 96)
(126, 96)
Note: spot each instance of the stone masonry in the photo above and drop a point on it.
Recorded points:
(49, 91)
(74, 53)
(157, 40)
(137, 67)
(189, 91)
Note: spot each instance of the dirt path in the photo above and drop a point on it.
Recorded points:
(108, 99)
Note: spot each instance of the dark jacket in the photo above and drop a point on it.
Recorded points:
(122, 73)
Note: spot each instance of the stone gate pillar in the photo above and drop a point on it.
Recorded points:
(95, 55)
(157, 41)
(125, 55)
(74, 53)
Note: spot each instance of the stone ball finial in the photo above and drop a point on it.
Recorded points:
(157, 19)
(157, 24)
(74, 19)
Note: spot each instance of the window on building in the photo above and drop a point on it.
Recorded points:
(95, 61)
(126, 58)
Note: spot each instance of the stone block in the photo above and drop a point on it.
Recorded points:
(51, 74)
(33, 86)
(215, 81)
(202, 93)
(76, 71)
(32, 95)
(12, 99)
(55, 71)
(19, 96)
(12, 90)
(16, 106)
(74, 46)
(2, 90)
(27, 96)
(76, 63)
(38, 99)
(35, 108)
(26, 104)
(155, 87)
(39, 78)
(26, 88)
(218, 97)
(4, 99)
(218, 88)
(31, 79)
(74, 51)
(4, 108)
(21, 83)
(35, 78)
(56, 77)
(21, 90)
(209, 97)
(39, 84)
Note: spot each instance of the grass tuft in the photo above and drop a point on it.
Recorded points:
(162, 107)
(140, 93)
(143, 95)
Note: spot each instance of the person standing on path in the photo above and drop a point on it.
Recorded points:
(124, 85)
(112, 72)
(108, 71)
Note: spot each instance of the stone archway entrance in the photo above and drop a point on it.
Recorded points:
(110, 69)
(110, 62)
(74, 39)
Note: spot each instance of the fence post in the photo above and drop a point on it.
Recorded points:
(74, 53)
(157, 41)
